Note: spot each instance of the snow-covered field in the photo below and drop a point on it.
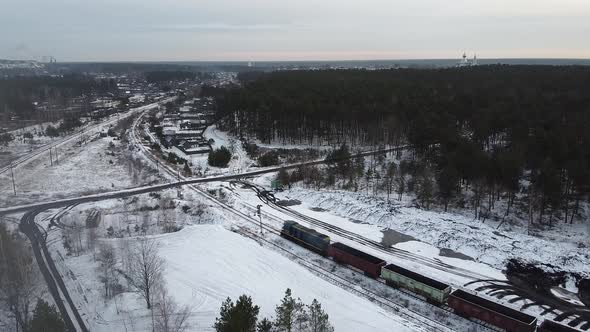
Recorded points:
(21, 146)
(230, 265)
(207, 263)
(85, 169)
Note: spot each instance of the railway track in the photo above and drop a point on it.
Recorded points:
(44, 148)
(403, 254)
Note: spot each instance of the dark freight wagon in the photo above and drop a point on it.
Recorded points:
(433, 290)
(344, 254)
(551, 326)
(469, 305)
(306, 237)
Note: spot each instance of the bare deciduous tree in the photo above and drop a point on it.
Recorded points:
(145, 269)
(125, 253)
(73, 237)
(169, 316)
(19, 278)
(106, 270)
(91, 237)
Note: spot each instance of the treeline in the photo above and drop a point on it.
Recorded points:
(488, 131)
(17, 94)
(165, 76)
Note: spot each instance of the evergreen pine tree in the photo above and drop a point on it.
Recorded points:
(265, 325)
(318, 319)
(46, 319)
(284, 312)
(240, 317)
(187, 169)
(291, 314)
(284, 177)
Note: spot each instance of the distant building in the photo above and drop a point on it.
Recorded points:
(466, 62)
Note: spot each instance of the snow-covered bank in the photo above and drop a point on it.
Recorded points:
(452, 231)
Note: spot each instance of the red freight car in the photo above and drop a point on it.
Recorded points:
(344, 254)
(469, 305)
(551, 326)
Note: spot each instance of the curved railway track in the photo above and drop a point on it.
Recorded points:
(403, 254)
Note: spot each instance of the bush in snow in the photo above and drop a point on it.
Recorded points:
(6, 138)
(219, 157)
(270, 158)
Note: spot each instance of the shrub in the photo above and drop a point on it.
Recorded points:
(219, 157)
(268, 159)
(51, 131)
(251, 149)
(6, 138)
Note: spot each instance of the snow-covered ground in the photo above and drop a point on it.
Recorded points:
(204, 265)
(481, 241)
(230, 265)
(240, 161)
(443, 258)
(248, 200)
(207, 262)
(79, 167)
(21, 146)
(86, 169)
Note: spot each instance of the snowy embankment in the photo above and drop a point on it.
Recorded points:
(462, 234)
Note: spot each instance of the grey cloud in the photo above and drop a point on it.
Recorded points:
(269, 29)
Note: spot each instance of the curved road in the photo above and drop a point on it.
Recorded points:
(55, 283)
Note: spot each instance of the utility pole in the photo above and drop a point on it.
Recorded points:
(259, 216)
(13, 183)
(50, 157)
(56, 158)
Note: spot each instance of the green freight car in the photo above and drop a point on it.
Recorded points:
(433, 290)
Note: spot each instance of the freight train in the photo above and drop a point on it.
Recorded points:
(463, 303)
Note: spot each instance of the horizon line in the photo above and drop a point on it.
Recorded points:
(314, 60)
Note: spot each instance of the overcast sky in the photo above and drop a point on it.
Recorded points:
(111, 30)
